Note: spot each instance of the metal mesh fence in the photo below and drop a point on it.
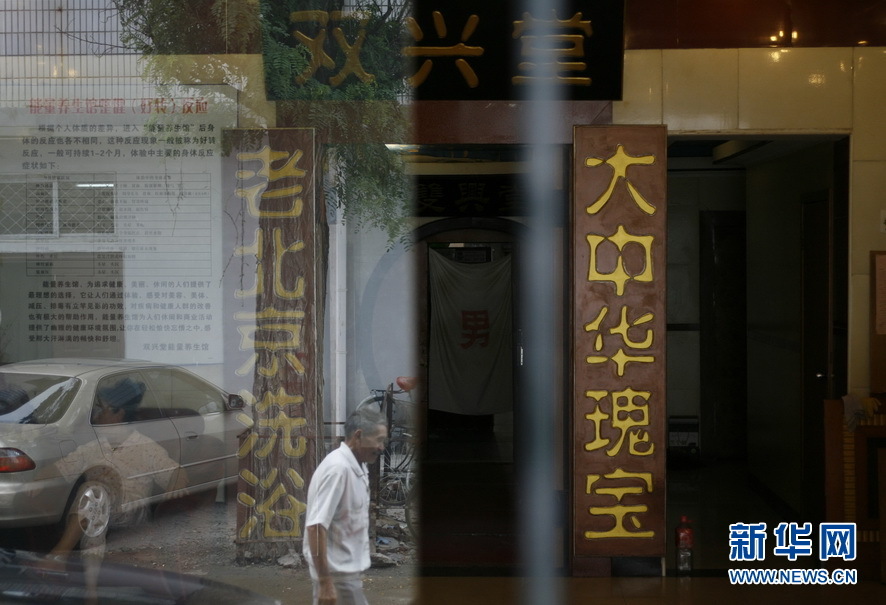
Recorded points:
(58, 206)
(59, 27)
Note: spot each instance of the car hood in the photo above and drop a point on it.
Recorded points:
(29, 578)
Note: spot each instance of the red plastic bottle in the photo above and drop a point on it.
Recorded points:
(685, 540)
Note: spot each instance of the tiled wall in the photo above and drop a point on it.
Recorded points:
(779, 91)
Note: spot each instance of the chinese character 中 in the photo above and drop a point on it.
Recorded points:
(619, 276)
(747, 541)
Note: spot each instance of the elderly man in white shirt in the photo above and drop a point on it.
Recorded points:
(337, 518)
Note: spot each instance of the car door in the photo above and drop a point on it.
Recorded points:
(207, 430)
(138, 442)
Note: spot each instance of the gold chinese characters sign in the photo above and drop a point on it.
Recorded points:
(272, 347)
(463, 49)
(618, 325)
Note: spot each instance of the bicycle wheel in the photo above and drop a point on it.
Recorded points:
(400, 454)
(398, 470)
(394, 488)
(373, 402)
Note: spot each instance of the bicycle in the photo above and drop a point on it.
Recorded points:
(399, 412)
(400, 462)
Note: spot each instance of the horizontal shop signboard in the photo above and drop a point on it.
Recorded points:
(469, 50)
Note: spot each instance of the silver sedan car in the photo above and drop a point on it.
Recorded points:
(104, 438)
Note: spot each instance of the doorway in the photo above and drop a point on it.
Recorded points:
(757, 288)
(468, 485)
(471, 352)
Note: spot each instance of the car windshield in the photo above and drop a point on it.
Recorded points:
(34, 398)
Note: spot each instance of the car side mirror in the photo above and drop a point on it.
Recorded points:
(236, 402)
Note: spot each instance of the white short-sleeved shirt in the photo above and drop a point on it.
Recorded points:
(338, 499)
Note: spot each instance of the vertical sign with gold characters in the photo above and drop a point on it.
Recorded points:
(273, 283)
(618, 333)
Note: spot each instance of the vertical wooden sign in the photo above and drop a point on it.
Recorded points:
(618, 332)
(274, 271)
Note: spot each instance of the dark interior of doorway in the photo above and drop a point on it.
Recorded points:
(709, 451)
(481, 438)
(468, 486)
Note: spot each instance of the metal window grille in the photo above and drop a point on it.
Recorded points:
(56, 206)
(59, 27)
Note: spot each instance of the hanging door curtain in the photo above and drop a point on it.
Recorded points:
(471, 346)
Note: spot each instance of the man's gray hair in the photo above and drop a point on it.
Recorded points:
(366, 420)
